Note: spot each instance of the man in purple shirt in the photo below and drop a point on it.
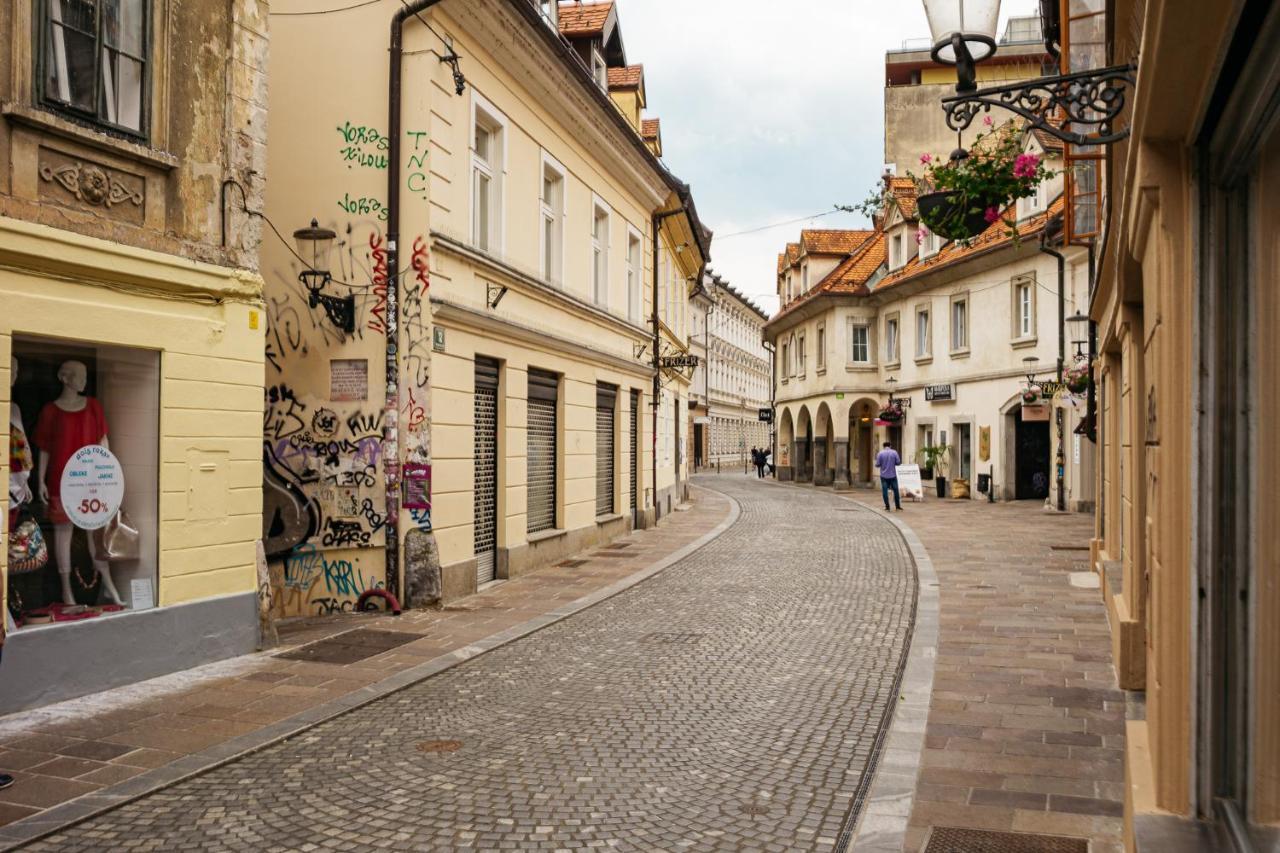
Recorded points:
(887, 461)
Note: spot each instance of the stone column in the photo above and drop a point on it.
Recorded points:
(802, 463)
(821, 473)
(842, 464)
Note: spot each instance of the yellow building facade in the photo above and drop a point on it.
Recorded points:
(130, 351)
(523, 301)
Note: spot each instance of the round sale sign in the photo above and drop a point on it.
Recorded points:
(92, 487)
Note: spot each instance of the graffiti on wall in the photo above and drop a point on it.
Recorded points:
(310, 582)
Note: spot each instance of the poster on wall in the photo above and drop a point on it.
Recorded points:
(984, 443)
(92, 487)
(909, 482)
(348, 379)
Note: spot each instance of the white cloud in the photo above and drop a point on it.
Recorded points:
(770, 110)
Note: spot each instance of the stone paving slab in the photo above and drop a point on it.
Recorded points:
(732, 702)
(77, 757)
(1025, 728)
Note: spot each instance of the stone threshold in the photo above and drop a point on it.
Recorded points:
(66, 814)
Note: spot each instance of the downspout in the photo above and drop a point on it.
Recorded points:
(657, 355)
(773, 403)
(1061, 459)
(391, 410)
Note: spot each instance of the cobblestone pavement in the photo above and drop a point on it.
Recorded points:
(729, 703)
(1026, 725)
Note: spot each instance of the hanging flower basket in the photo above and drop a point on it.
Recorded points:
(946, 215)
(892, 414)
(1078, 377)
(1031, 396)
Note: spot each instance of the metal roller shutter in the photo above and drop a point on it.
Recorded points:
(486, 469)
(543, 388)
(606, 400)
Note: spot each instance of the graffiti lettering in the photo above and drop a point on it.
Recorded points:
(284, 331)
(363, 205)
(325, 422)
(416, 182)
(363, 159)
(359, 134)
(421, 518)
(282, 415)
(378, 320)
(340, 533)
(363, 425)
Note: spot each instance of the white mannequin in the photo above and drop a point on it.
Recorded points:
(74, 376)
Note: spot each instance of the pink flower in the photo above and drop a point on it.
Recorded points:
(1025, 165)
(926, 158)
(921, 233)
(991, 215)
(987, 120)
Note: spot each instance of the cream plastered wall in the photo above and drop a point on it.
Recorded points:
(325, 507)
(206, 324)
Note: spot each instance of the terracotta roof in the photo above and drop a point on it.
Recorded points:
(850, 276)
(832, 241)
(626, 78)
(1048, 141)
(904, 195)
(649, 128)
(995, 237)
(782, 261)
(792, 254)
(584, 19)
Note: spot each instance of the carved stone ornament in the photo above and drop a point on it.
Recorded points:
(90, 184)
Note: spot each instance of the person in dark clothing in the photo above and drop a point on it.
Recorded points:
(757, 459)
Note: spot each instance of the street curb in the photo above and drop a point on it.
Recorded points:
(58, 818)
(881, 825)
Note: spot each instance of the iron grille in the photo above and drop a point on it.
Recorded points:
(486, 473)
(606, 397)
(635, 449)
(542, 464)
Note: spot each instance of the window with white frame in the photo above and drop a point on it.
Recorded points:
(924, 334)
(804, 278)
(930, 243)
(1024, 308)
(859, 342)
(488, 157)
(822, 347)
(600, 252)
(95, 58)
(550, 10)
(635, 273)
(784, 362)
(960, 323)
(552, 209)
(800, 353)
(891, 339)
(599, 70)
(897, 250)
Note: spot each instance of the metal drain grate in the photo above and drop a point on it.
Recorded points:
(952, 839)
(1068, 547)
(440, 746)
(351, 646)
(617, 546)
(570, 564)
(611, 554)
(757, 809)
(671, 638)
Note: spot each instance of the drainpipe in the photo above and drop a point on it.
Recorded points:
(657, 355)
(773, 402)
(1091, 404)
(1061, 459)
(391, 410)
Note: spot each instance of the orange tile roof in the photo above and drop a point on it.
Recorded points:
(1048, 141)
(782, 262)
(584, 19)
(904, 195)
(649, 128)
(849, 276)
(996, 236)
(626, 78)
(832, 241)
(793, 253)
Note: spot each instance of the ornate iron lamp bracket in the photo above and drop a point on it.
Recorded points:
(1091, 99)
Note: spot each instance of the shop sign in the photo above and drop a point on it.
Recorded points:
(766, 415)
(679, 361)
(92, 487)
(416, 484)
(939, 393)
(839, 395)
(984, 444)
(437, 338)
(909, 483)
(1035, 412)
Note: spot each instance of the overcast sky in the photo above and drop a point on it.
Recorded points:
(771, 110)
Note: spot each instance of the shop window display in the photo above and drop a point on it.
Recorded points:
(83, 484)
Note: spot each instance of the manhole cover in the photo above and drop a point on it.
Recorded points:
(617, 546)
(350, 646)
(671, 638)
(440, 746)
(570, 564)
(951, 839)
(610, 554)
(754, 808)
(1068, 547)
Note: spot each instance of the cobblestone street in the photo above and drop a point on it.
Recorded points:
(731, 702)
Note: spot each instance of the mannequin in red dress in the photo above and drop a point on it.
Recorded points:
(65, 425)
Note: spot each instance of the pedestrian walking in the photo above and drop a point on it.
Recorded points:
(768, 461)
(757, 457)
(887, 461)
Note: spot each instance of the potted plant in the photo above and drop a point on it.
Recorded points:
(892, 414)
(1031, 395)
(934, 457)
(960, 197)
(1078, 376)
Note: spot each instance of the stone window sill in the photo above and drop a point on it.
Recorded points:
(893, 365)
(1021, 343)
(924, 359)
(51, 123)
(605, 519)
(544, 535)
(960, 353)
(859, 367)
(821, 371)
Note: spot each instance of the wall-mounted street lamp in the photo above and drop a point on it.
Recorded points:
(1079, 326)
(1063, 106)
(892, 382)
(314, 246)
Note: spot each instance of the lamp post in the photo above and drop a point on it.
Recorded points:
(1079, 326)
(892, 383)
(1063, 106)
(314, 245)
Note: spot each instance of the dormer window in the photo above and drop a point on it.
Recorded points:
(930, 243)
(1033, 204)
(550, 11)
(804, 275)
(599, 70)
(897, 250)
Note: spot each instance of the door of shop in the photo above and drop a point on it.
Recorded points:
(544, 392)
(606, 400)
(1031, 460)
(486, 469)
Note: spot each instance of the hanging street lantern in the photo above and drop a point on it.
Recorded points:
(1079, 108)
(964, 34)
(314, 246)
